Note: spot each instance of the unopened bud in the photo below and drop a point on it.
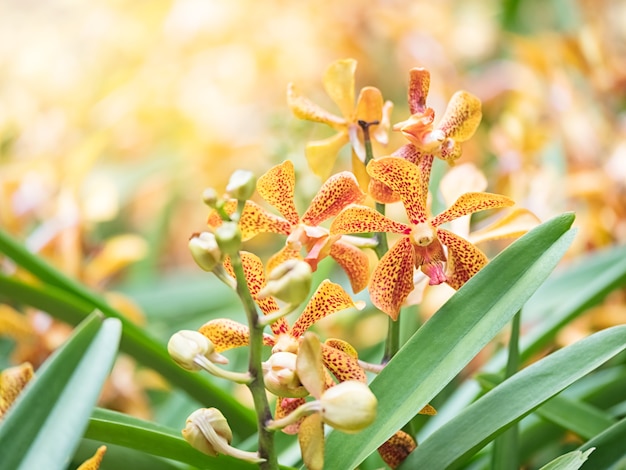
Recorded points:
(205, 251)
(241, 185)
(210, 197)
(207, 430)
(280, 376)
(349, 406)
(228, 237)
(290, 282)
(186, 346)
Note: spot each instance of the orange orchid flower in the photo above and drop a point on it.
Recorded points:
(458, 124)
(338, 82)
(277, 188)
(423, 240)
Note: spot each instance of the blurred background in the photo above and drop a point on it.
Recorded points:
(114, 116)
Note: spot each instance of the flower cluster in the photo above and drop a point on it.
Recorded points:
(325, 383)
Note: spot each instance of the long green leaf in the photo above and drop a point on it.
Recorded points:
(135, 341)
(513, 399)
(453, 336)
(570, 461)
(609, 447)
(46, 423)
(120, 429)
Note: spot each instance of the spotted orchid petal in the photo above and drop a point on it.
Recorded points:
(285, 253)
(277, 187)
(338, 82)
(381, 192)
(354, 262)
(94, 462)
(392, 280)
(12, 382)
(284, 407)
(419, 84)
(405, 179)
(514, 224)
(362, 219)
(469, 203)
(227, 334)
(321, 154)
(311, 439)
(303, 108)
(464, 259)
(358, 169)
(397, 448)
(336, 193)
(327, 299)
(254, 220)
(343, 365)
(343, 346)
(462, 116)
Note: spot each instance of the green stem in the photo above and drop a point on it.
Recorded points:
(506, 448)
(267, 450)
(392, 343)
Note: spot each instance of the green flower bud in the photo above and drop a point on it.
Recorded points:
(290, 282)
(349, 406)
(228, 237)
(241, 185)
(280, 376)
(205, 250)
(210, 197)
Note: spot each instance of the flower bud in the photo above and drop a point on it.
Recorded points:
(228, 237)
(210, 197)
(241, 185)
(207, 430)
(186, 345)
(349, 406)
(290, 282)
(204, 250)
(280, 376)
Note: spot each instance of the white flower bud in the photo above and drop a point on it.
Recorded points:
(228, 237)
(205, 251)
(290, 282)
(349, 406)
(241, 185)
(280, 376)
(207, 430)
(187, 345)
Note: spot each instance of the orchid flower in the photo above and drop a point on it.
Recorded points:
(339, 85)
(277, 188)
(423, 240)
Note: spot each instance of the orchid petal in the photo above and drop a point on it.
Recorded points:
(419, 84)
(462, 116)
(336, 193)
(450, 151)
(321, 154)
(515, 224)
(381, 192)
(409, 152)
(381, 132)
(311, 439)
(226, 334)
(12, 382)
(214, 219)
(94, 462)
(339, 84)
(461, 179)
(369, 106)
(309, 365)
(284, 407)
(397, 448)
(14, 324)
(405, 179)
(354, 262)
(392, 280)
(464, 259)
(469, 203)
(343, 346)
(328, 298)
(362, 219)
(304, 108)
(285, 253)
(342, 365)
(254, 220)
(358, 168)
(277, 187)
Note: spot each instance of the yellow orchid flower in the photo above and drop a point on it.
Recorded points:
(423, 240)
(338, 82)
(458, 124)
(277, 188)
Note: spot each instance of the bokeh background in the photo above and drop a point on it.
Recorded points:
(115, 115)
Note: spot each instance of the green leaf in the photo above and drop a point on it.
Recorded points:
(44, 426)
(570, 461)
(453, 336)
(120, 429)
(609, 446)
(148, 351)
(513, 399)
